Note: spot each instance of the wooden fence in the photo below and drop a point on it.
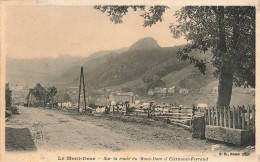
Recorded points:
(177, 115)
(239, 117)
(181, 116)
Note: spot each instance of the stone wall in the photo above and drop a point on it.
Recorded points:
(198, 127)
(229, 135)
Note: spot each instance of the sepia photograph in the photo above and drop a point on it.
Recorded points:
(139, 82)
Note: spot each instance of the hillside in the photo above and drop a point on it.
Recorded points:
(89, 63)
(58, 71)
(141, 69)
(40, 70)
(142, 66)
(132, 65)
(144, 43)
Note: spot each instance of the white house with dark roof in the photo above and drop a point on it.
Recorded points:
(183, 90)
(171, 90)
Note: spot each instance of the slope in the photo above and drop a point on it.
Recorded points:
(133, 65)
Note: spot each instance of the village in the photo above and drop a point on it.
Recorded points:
(119, 104)
(111, 101)
(68, 98)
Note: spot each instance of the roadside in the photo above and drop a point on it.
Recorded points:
(53, 129)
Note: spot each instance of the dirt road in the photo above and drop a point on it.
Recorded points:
(60, 130)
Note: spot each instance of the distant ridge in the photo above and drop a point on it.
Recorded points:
(144, 43)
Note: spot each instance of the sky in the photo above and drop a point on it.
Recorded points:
(51, 31)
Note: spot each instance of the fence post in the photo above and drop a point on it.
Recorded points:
(217, 116)
(209, 114)
(193, 110)
(213, 115)
(238, 117)
(225, 118)
(113, 109)
(248, 117)
(229, 117)
(221, 116)
(234, 117)
(126, 107)
(243, 117)
(205, 116)
(253, 118)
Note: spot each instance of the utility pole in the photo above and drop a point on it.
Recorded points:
(28, 100)
(84, 93)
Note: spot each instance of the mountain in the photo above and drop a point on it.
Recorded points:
(143, 65)
(144, 43)
(138, 68)
(53, 71)
(133, 65)
(41, 70)
(107, 52)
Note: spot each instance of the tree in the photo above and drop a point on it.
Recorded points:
(228, 32)
(8, 96)
(39, 93)
(157, 83)
(51, 92)
(66, 97)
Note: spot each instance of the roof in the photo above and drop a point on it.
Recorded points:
(202, 105)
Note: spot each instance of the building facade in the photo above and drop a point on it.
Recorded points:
(183, 90)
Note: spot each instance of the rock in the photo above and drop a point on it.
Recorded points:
(8, 113)
(250, 147)
(215, 147)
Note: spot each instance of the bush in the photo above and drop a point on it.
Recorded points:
(8, 96)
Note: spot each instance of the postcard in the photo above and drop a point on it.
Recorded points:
(129, 81)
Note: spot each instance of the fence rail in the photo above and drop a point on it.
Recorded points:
(239, 117)
(173, 114)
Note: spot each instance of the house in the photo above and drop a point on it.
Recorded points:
(122, 97)
(65, 105)
(183, 90)
(164, 90)
(171, 90)
(157, 90)
(150, 92)
(202, 107)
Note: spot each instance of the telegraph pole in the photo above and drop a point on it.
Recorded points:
(84, 93)
(28, 100)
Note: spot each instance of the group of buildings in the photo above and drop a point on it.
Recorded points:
(116, 97)
(167, 91)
